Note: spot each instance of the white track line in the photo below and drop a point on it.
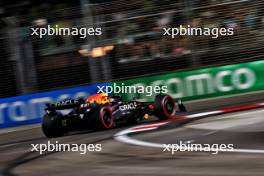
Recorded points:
(204, 114)
(128, 140)
(123, 137)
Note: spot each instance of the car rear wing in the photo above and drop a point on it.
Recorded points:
(65, 104)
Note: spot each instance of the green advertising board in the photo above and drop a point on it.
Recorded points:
(202, 83)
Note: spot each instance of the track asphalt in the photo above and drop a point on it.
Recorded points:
(244, 129)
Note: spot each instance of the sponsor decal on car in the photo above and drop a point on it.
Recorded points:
(129, 106)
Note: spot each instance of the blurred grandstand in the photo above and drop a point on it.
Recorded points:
(133, 32)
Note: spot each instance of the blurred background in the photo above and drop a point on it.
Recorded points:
(132, 43)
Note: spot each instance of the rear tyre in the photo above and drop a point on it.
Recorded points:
(52, 125)
(102, 118)
(164, 107)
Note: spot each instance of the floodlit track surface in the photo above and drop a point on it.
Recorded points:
(244, 129)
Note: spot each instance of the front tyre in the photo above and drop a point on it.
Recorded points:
(102, 118)
(52, 125)
(164, 107)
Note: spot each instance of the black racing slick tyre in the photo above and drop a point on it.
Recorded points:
(52, 125)
(102, 118)
(164, 107)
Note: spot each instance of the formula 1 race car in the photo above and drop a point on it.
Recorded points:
(100, 112)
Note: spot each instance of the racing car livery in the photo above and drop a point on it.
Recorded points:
(100, 112)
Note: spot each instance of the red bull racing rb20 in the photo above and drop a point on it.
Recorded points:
(101, 112)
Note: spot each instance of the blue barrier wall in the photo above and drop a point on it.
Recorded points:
(29, 109)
